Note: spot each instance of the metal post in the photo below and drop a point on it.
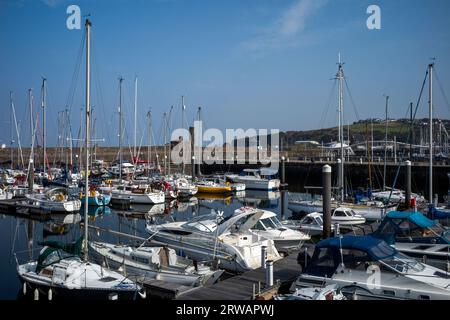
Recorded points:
(283, 170)
(263, 256)
(408, 184)
(337, 230)
(269, 273)
(430, 134)
(326, 196)
(193, 167)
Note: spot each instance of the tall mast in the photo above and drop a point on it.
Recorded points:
(165, 143)
(135, 117)
(410, 130)
(183, 107)
(20, 154)
(120, 128)
(149, 155)
(340, 77)
(385, 143)
(430, 135)
(11, 129)
(44, 131)
(169, 131)
(88, 125)
(30, 101)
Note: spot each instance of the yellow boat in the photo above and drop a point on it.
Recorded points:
(213, 187)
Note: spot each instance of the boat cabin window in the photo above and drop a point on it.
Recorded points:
(308, 220)
(318, 221)
(272, 223)
(259, 226)
(140, 259)
(176, 232)
(355, 259)
(322, 263)
(339, 213)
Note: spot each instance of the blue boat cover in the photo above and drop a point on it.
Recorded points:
(415, 217)
(376, 248)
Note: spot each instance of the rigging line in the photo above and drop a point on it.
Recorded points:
(351, 99)
(420, 95)
(73, 85)
(325, 112)
(441, 88)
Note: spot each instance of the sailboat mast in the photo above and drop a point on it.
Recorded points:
(182, 125)
(88, 125)
(170, 139)
(340, 77)
(430, 135)
(135, 117)
(149, 155)
(165, 143)
(44, 131)
(120, 128)
(385, 143)
(11, 129)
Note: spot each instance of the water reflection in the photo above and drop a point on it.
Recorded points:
(21, 234)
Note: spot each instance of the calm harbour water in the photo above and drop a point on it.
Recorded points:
(21, 236)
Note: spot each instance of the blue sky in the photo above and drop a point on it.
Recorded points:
(247, 63)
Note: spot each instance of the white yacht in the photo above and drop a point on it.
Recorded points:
(160, 263)
(184, 188)
(370, 210)
(68, 277)
(54, 200)
(142, 194)
(368, 268)
(258, 179)
(346, 217)
(311, 224)
(268, 226)
(211, 237)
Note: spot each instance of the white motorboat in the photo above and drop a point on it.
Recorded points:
(160, 263)
(54, 200)
(396, 196)
(346, 217)
(311, 224)
(370, 210)
(184, 188)
(268, 226)
(258, 179)
(213, 237)
(142, 194)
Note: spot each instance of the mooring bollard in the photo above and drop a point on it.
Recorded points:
(36, 294)
(336, 229)
(326, 195)
(50, 294)
(408, 184)
(263, 256)
(113, 296)
(269, 273)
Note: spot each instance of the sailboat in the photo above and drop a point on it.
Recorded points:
(59, 269)
(370, 210)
